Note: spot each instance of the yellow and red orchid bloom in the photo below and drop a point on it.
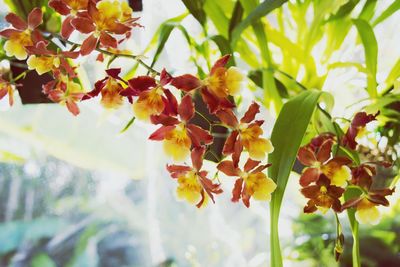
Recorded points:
(193, 184)
(153, 98)
(110, 88)
(70, 9)
(245, 134)
(102, 19)
(178, 134)
(360, 120)
(65, 91)
(6, 88)
(251, 182)
(44, 60)
(317, 156)
(217, 87)
(322, 195)
(22, 34)
(366, 204)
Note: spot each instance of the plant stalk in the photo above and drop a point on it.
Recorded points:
(276, 255)
(356, 246)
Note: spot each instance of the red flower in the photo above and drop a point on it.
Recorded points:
(101, 20)
(70, 9)
(180, 135)
(217, 87)
(319, 161)
(193, 184)
(251, 182)
(22, 34)
(246, 133)
(356, 127)
(110, 88)
(322, 195)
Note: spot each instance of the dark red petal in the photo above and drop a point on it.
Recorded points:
(186, 82)
(70, 54)
(227, 117)
(351, 203)
(35, 18)
(336, 205)
(197, 157)
(107, 40)
(88, 45)
(250, 164)
(165, 77)
(335, 191)
(245, 197)
(202, 135)
(228, 168)
(251, 113)
(201, 202)
(310, 207)
(230, 143)
(142, 83)
(362, 118)
(261, 168)
(237, 151)
(114, 72)
(377, 199)
(177, 170)
(8, 32)
(60, 7)
(237, 190)
(16, 22)
(72, 107)
(186, 108)
(160, 133)
(309, 176)
(306, 156)
(164, 120)
(340, 161)
(96, 91)
(67, 28)
(311, 191)
(211, 101)
(221, 62)
(171, 104)
(324, 152)
(119, 28)
(83, 25)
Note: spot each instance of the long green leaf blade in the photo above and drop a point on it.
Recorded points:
(394, 7)
(262, 10)
(371, 53)
(287, 134)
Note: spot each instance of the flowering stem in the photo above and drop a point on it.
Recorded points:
(135, 57)
(356, 245)
(276, 255)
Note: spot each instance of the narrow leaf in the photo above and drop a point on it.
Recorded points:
(128, 125)
(371, 53)
(394, 7)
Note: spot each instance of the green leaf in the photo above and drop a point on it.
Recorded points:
(42, 260)
(387, 13)
(224, 47)
(368, 10)
(236, 18)
(371, 53)
(286, 137)
(217, 16)
(344, 10)
(195, 7)
(128, 125)
(260, 11)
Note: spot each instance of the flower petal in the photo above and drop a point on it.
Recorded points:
(60, 7)
(221, 62)
(237, 190)
(88, 45)
(35, 18)
(309, 176)
(227, 117)
(251, 113)
(306, 156)
(186, 108)
(83, 25)
(197, 157)
(142, 83)
(16, 21)
(199, 133)
(160, 133)
(186, 82)
(228, 168)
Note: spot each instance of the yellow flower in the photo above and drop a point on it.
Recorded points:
(338, 174)
(77, 4)
(367, 212)
(43, 64)
(259, 185)
(256, 146)
(110, 97)
(177, 143)
(15, 45)
(149, 103)
(189, 188)
(111, 12)
(225, 82)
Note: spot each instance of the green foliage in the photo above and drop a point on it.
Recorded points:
(287, 134)
(42, 260)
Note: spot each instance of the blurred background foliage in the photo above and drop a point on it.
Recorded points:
(69, 187)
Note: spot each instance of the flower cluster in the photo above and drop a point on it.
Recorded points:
(328, 176)
(157, 98)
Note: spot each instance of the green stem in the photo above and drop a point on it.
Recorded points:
(356, 245)
(137, 58)
(276, 256)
